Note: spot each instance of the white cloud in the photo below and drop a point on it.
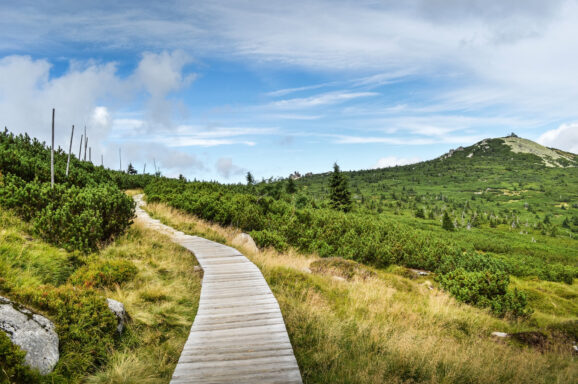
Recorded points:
(349, 139)
(226, 168)
(392, 161)
(564, 137)
(320, 100)
(28, 93)
(169, 162)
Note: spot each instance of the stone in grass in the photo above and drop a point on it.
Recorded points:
(500, 334)
(532, 339)
(245, 240)
(33, 333)
(118, 309)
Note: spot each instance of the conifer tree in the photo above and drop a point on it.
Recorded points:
(340, 195)
(250, 179)
(447, 222)
(131, 170)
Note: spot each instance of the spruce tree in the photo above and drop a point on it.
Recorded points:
(340, 195)
(447, 222)
(131, 170)
(250, 179)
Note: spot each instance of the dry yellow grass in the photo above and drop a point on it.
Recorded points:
(387, 328)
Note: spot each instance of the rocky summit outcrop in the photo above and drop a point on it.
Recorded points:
(118, 309)
(33, 333)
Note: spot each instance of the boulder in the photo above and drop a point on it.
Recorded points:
(246, 241)
(118, 309)
(500, 334)
(33, 333)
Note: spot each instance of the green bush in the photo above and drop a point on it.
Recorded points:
(485, 289)
(85, 325)
(12, 366)
(104, 274)
(267, 238)
(71, 217)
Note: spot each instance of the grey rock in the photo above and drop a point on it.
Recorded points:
(118, 309)
(245, 240)
(500, 334)
(33, 333)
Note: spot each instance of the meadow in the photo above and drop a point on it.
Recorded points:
(384, 291)
(353, 323)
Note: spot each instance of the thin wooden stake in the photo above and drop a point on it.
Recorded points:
(155, 164)
(52, 154)
(85, 143)
(102, 160)
(90, 154)
(144, 168)
(69, 151)
(80, 147)
(120, 160)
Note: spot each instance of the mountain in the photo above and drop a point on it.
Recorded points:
(499, 149)
(500, 179)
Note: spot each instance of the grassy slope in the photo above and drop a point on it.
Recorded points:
(161, 299)
(494, 183)
(391, 328)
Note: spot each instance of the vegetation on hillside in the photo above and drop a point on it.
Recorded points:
(84, 211)
(350, 323)
(82, 215)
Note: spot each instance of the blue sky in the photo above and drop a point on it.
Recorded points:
(212, 90)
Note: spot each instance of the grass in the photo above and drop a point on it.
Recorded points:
(161, 298)
(162, 301)
(386, 327)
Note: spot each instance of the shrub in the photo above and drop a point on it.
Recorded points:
(267, 238)
(71, 217)
(85, 325)
(12, 366)
(485, 289)
(104, 274)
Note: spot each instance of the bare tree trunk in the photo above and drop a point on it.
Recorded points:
(69, 151)
(52, 154)
(120, 159)
(85, 143)
(80, 147)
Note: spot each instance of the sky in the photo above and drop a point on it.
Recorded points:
(215, 89)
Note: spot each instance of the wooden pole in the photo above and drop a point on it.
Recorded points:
(69, 151)
(120, 160)
(80, 147)
(85, 143)
(90, 154)
(155, 164)
(52, 154)
(102, 160)
(144, 168)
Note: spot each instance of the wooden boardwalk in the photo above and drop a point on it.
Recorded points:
(238, 335)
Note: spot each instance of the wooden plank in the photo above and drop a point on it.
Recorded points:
(238, 335)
